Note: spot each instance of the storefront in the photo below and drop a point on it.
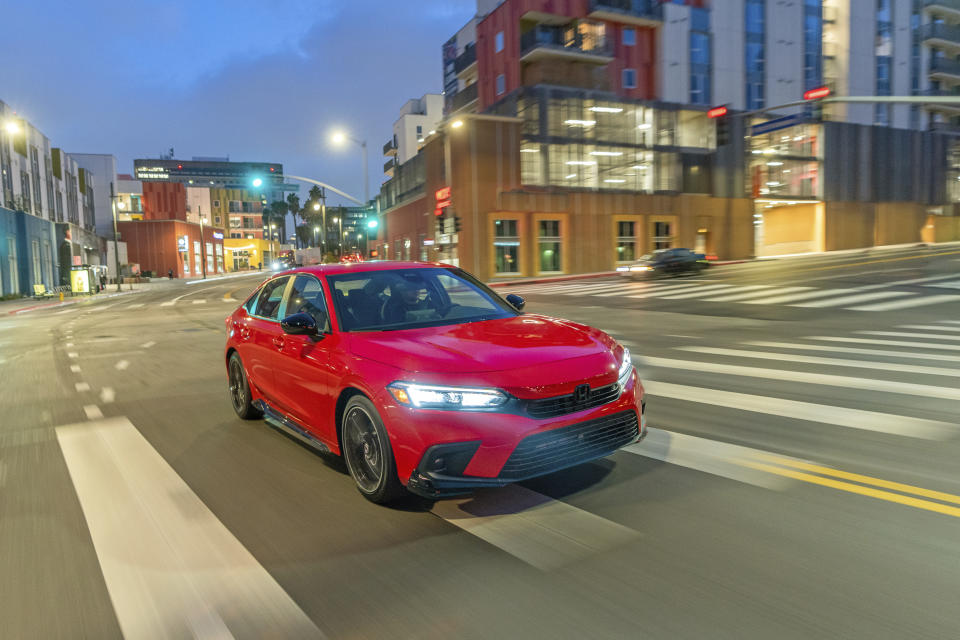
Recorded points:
(162, 246)
(243, 254)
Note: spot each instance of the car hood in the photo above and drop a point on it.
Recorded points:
(528, 355)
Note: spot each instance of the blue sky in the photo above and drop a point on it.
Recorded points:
(258, 81)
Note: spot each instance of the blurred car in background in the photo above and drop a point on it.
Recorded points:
(664, 262)
(283, 263)
(351, 257)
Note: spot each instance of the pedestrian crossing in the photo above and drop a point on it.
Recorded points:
(875, 297)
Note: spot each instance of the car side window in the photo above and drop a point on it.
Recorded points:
(268, 304)
(306, 296)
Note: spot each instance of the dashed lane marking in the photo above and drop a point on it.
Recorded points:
(122, 365)
(93, 412)
(147, 345)
(75, 368)
(82, 386)
(107, 395)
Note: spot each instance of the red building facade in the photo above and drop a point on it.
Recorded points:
(163, 245)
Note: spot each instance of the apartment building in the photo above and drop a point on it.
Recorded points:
(418, 118)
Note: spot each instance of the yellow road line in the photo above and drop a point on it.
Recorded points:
(857, 264)
(855, 488)
(846, 475)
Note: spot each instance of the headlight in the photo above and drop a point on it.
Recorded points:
(640, 268)
(626, 368)
(425, 396)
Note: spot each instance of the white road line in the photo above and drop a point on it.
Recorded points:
(626, 291)
(92, 412)
(542, 532)
(671, 288)
(951, 321)
(107, 395)
(907, 334)
(199, 302)
(755, 294)
(696, 290)
(889, 343)
(785, 375)
(833, 362)
(820, 413)
(101, 307)
(172, 569)
(168, 303)
(147, 345)
(805, 295)
(846, 300)
(703, 292)
(869, 352)
(75, 368)
(929, 327)
(72, 354)
(136, 306)
(751, 288)
(82, 386)
(953, 284)
(122, 365)
(908, 304)
(68, 345)
(709, 456)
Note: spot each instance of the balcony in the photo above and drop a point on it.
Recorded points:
(543, 42)
(945, 67)
(645, 13)
(951, 107)
(949, 7)
(390, 149)
(467, 60)
(464, 98)
(389, 166)
(944, 35)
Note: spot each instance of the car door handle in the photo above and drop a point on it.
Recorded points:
(278, 342)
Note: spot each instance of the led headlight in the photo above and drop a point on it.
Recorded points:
(640, 268)
(423, 396)
(626, 368)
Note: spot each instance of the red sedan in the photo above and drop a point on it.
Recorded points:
(424, 378)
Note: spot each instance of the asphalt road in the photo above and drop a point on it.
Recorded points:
(800, 479)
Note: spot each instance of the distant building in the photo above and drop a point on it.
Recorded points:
(418, 119)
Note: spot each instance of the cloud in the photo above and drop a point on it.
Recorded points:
(252, 80)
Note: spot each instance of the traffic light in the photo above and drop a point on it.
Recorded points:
(456, 224)
(723, 124)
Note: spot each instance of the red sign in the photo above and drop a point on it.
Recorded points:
(442, 194)
(717, 112)
(814, 94)
(77, 261)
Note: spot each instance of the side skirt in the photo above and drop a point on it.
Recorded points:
(275, 419)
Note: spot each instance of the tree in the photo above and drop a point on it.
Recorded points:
(293, 206)
(274, 214)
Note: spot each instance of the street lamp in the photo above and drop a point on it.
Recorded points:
(339, 137)
(12, 127)
(257, 182)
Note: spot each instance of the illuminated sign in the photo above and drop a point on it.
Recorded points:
(443, 200)
(182, 243)
(217, 235)
(814, 94)
(717, 112)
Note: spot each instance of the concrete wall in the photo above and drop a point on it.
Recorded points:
(729, 57)
(25, 237)
(673, 74)
(104, 169)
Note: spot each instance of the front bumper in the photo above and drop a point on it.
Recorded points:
(537, 454)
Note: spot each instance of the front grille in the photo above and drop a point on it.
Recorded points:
(558, 448)
(562, 405)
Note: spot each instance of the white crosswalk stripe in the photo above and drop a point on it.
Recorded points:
(908, 304)
(907, 334)
(804, 295)
(739, 297)
(889, 343)
(912, 355)
(953, 284)
(929, 327)
(854, 299)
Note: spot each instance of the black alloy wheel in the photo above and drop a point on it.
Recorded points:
(240, 389)
(366, 449)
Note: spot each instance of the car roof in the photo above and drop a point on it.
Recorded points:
(360, 267)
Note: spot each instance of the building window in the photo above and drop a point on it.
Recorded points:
(548, 245)
(755, 23)
(419, 132)
(629, 78)
(13, 268)
(197, 265)
(25, 204)
(626, 241)
(210, 256)
(662, 236)
(501, 84)
(700, 63)
(216, 203)
(234, 206)
(498, 42)
(37, 268)
(629, 36)
(35, 168)
(506, 246)
(812, 44)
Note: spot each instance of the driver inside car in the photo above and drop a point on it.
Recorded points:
(404, 297)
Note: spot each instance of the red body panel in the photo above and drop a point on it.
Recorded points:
(529, 356)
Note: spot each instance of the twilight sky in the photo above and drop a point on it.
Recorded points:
(253, 80)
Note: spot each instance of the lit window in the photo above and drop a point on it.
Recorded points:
(629, 36)
(506, 245)
(501, 84)
(626, 241)
(549, 246)
(629, 78)
(498, 42)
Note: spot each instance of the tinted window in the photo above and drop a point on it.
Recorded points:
(412, 298)
(306, 296)
(268, 303)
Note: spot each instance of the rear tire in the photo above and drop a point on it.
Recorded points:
(367, 452)
(240, 389)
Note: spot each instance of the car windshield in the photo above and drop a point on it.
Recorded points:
(650, 257)
(413, 298)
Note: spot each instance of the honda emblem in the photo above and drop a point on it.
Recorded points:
(581, 394)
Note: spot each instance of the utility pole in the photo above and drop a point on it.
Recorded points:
(116, 234)
(323, 213)
(203, 245)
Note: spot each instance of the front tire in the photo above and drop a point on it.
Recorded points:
(367, 452)
(239, 388)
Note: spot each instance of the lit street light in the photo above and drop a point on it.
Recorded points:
(257, 182)
(316, 206)
(338, 138)
(12, 127)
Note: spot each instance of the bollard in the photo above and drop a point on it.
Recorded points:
(61, 296)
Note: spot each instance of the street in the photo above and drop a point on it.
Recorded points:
(799, 478)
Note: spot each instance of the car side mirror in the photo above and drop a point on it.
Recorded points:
(516, 301)
(300, 324)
